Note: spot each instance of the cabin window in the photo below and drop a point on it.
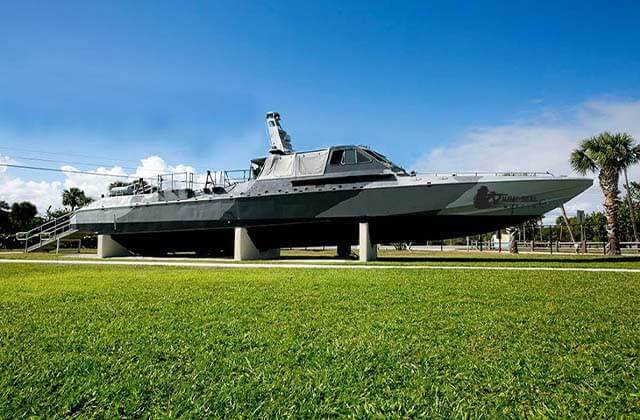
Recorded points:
(361, 157)
(336, 157)
(349, 157)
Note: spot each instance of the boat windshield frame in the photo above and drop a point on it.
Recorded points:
(385, 161)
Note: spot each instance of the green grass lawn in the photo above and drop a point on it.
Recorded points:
(136, 341)
(390, 257)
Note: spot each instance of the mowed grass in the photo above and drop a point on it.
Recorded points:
(137, 341)
(392, 257)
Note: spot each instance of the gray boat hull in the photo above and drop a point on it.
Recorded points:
(278, 214)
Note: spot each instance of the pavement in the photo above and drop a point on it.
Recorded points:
(133, 261)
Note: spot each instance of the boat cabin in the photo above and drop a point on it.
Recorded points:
(338, 160)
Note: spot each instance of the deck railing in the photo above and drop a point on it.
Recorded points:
(182, 180)
(479, 173)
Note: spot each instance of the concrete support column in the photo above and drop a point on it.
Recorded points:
(368, 250)
(107, 247)
(244, 248)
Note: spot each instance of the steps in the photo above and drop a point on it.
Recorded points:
(48, 234)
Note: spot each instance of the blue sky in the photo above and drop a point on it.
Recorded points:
(191, 81)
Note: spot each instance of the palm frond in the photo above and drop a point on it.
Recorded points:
(581, 162)
(605, 151)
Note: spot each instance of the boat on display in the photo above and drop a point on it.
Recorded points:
(319, 197)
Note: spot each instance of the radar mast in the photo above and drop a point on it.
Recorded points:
(280, 140)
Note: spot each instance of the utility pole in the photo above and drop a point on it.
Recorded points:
(566, 222)
(630, 202)
(583, 242)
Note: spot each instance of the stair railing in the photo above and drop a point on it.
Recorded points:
(46, 231)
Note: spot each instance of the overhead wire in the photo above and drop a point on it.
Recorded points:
(112, 160)
(74, 171)
(71, 162)
(70, 171)
(46, 152)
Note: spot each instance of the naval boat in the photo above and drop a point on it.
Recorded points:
(319, 197)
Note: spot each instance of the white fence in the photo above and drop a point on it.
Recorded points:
(554, 247)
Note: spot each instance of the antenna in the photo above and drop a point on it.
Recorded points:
(280, 140)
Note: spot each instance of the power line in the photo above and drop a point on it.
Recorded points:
(38, 168)
(71, 162)
(18, 149)
(113, 161)
(68, 171)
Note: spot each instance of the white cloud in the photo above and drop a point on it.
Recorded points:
(92, 185)
(543, 143)
(49, 193)
(43, 194)
(154, 165)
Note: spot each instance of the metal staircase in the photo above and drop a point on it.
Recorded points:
(49, 234)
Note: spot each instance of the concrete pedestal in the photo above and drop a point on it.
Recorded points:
(107, 247)
(368, 250)
(244, 248)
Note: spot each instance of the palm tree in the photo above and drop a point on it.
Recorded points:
(607, 154)
(74, 198)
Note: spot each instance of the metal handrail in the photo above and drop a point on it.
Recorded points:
(230, 178)
(480, 173)
(160, 182)
(182, 180)
(46, 232)
(39, 229)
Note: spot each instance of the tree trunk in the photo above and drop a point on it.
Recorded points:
(513, 240)
(540, 226)
(609, 183)
(631, 209)
(566, 222)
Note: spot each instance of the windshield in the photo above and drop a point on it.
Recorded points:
(386, 162)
